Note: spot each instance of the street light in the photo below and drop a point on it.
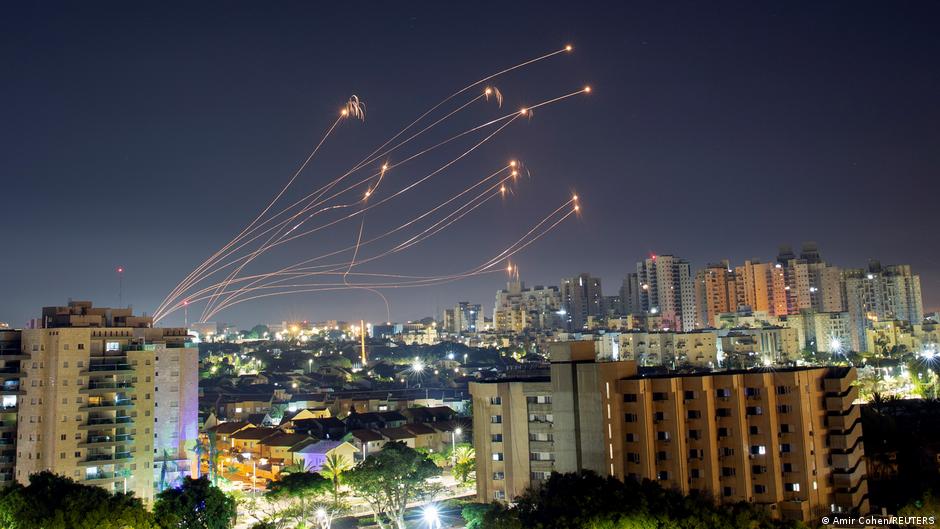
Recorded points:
(453, 445)
(432, 517)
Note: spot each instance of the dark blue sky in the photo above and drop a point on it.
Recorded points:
(146, 136)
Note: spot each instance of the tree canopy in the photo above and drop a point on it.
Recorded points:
(607, 503)
(196, 504)
(390, 479)
(51, 501)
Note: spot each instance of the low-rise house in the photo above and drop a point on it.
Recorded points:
(223, 432)
(277, 447)
(323, 428)
(399, 434)
(249, 440)
(425, 436)
(366, 442)
(312, 455)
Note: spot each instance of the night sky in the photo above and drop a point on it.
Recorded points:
(147, 136)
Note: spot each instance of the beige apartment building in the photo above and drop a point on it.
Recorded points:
(106, 399)
(512, 435)
(787, 439)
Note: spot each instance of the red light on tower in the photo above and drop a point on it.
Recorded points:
(120, 270)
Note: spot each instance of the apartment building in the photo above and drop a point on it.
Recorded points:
(671, 349)
(787, 439)
(666, 290)
(512, 435)
(11, 375)
(106, 400)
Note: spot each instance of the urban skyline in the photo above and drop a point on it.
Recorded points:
(877, 135)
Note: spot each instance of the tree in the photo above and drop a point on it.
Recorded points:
(333, 468)
(55, 502)
(301, 487)
(464, 463)
(196, 504)
(392, 478)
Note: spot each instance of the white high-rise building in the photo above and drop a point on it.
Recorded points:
(666, 290)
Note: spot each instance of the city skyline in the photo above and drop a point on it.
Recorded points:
(221, 114)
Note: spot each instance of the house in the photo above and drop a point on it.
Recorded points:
(249, 439)
(433, 414)
(238, 409)
(277, 447)
(223, 432)
(306, 413)
(425, 436)
(260, 419)
(399, 434)
(366, 442)
(312, 455)
(322, 428)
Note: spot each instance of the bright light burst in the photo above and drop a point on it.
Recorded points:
(224, 278)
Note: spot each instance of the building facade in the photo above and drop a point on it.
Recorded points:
(110, 400)
(666, 290)
(581, 299)
(890, 292)
(788, 439)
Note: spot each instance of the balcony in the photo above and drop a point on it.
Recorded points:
(102, 441)
(105, 422)
(116, 368)
(107, 405)
(98, 386)
(106, 459)
(102, 478)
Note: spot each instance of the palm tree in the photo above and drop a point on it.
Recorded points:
(333, 467)
(465, 461)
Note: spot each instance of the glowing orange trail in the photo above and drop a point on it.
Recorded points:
(234, 288)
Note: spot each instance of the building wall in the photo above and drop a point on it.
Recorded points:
(523, 449)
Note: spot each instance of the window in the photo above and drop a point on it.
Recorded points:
(727, 471)
(752, 392)
(760, 489)
(629, 417)
(722, 432)
(727, 452)
(694, 414)
(784, 428)
(659, 416)
(758, 469)
(496, 419)
(81, 346)
(758, 450)
(695, 434)
(695, 473)
(661, 456)
(727, 491)
(540, 456)
(497, 456)
(629, 397)
(688, 395)
(498, 476)
(631, 438)
(782, 390)
(662, 436)
(497, 438)
(788, 467)
(662, 475)
(755, 410)
(496, 401)
(791, 487)
(784, 408)
(696, 453)
(754, 430)
(633, 457)
(659, 396)
(785, 448)
(723, 412)
(723, 393)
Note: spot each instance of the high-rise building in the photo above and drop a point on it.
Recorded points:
(581, 298)
(518, 307)
(11, 375)
(630, 295)
(811, 284)
(788, 439)
(762, 287)
(666, 290)
(110, 400)
(881, 293)
(714, 293)
(464, 317)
